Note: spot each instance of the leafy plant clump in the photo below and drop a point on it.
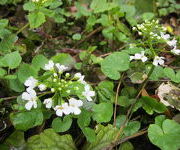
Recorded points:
(90, 75)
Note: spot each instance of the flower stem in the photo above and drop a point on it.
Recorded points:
(21, 29)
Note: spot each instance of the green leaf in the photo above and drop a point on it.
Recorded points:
(81, 10)
(16, 85)
(124, 101)
(76, 36)
(84, 118)
(10, 77)
(11, 60)
(64, 59)
(169, 72)
(126, 146)
(3, 23)
(60, 125)
(26, 120)
(101, 6)
(2, 72)
(36, 19)
(137, 77)
(102, 112)
(159, 120)
(16, 139)
(115, 63)
(129, 91)
(55, 4)
(131, 128)
(30, 6)
(166, 136)
(49, 140)
(105, 136)
(25, 71)
(108, 32)
(39, 61)
(89, 134)
(120, 120)
(151, 105)
(157, 73)
(105, 91)
(148, 16)
(7, 42)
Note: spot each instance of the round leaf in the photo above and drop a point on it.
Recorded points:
(115, 63)
(61, 126)
(102, 112)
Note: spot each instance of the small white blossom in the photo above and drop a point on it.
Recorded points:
(31, 82)
(80, 78)
(62, 109)
(61, 68)
(49, 66)
(139, 56)
(172, 43)
(175, 51)
(54, 80)
(134, 28)
(48, 102)
(68, 91)
(88, 93)
(158, 61)
(55, 74)
(165, 36)
(30, 96)
(42, 87)
(74, 106)
(52, 90)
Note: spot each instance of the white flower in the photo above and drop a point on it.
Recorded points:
(74, 106)
(80, 78)
(42, 87)
(62, 109)
(31, 97)
(175, 51)
(53, 90)
(139, 56)
(61, 68)
(158, 60)
(55, 74)
(88, 93)
(48, 102)
(165, 36)
(31, 82)
(172, 43)
(49, 66)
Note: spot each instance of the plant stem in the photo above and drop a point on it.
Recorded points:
(129, 113)
(21, 29)
(116, 98)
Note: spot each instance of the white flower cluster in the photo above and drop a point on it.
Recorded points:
(72, 107)
(57, 84)
(149, 28)
(171, 43)
(140, 56)
(156, 32)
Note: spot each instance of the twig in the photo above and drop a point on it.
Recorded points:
(116, 98)
(88, 36)
(143, 131)
(129, 113)
(131, 137)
